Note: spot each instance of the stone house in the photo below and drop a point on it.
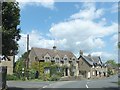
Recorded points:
(55, 56)
(91, 66)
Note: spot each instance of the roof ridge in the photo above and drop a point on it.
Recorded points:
(51, 49)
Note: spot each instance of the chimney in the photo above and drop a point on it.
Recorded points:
(89, 55)
(54, 47)
(81, 52)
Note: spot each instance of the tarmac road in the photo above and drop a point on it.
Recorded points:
(110, 82)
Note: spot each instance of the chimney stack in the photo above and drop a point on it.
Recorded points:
(89, 55)
(81, 52)
(54, 47)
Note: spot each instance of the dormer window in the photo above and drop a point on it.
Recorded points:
(47, 59)
(57, 60)
(65, 58)
(73, 59)
(35, 58)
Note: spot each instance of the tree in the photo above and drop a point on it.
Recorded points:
(18, 67)
(111, 62)
(20, 64)
(10, 29)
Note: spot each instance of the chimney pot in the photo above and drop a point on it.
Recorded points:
(81, 52)
(89, 55)
(54, 47)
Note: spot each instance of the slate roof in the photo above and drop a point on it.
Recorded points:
(92, 60)
(41, 52)
(88, 59)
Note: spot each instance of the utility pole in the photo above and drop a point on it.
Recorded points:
(27, 42)
(27, 59)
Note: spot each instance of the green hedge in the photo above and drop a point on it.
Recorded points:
(12, 77)
(54, 78)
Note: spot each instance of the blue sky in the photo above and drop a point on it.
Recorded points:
(74, 26)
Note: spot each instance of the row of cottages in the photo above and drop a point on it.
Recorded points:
(87, 66)
(55, 56)
(91, 66)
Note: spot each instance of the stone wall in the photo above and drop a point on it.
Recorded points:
(9, 65)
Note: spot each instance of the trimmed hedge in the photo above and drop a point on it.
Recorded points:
(12, 77)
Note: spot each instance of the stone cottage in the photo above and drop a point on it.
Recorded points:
(91, 66)
(55, 56)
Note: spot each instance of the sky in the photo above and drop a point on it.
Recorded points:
(72, 26)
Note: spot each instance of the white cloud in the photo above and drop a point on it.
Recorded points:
(114, 40)
(44, 3)
(77, 6)
(79, 32)
(114, 7)
(35, 40)
(88, 33)
(114, 37)
(89, 12)
(106, 55)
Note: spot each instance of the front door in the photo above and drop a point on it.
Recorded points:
(66, 71)
(88, 74)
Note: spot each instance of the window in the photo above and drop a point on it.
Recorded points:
(46, 70)
(74, 62)
(65, 58)
(58, 69)
(35, 58)
(57, 60)
(93, 72)
(47, 59)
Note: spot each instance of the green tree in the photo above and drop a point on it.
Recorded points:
(20, 63)
(10, 28)
(18, 68)
(111, 62)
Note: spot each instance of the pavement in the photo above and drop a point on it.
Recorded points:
(107, 83)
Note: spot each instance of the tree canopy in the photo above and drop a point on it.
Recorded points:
(10, 29)
(111, 62)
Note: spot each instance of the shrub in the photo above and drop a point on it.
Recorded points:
(55, 78)
(47, 77)
(32, 74)
(12, 77)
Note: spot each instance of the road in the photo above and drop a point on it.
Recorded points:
(110, 82)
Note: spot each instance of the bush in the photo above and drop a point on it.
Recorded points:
(55, 78)
(31, 74)
(47, 77)
(12, 77)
